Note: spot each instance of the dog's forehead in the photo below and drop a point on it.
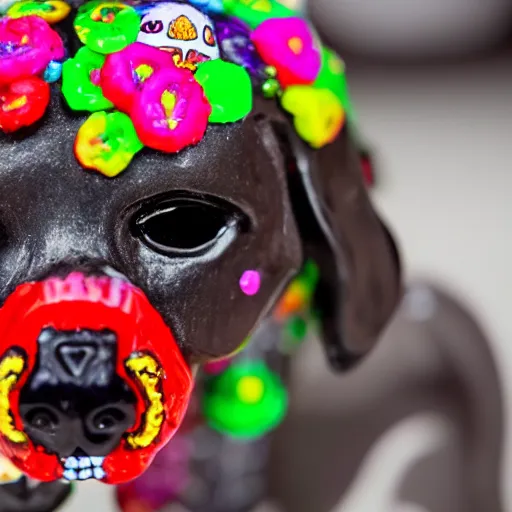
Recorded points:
(235, 162)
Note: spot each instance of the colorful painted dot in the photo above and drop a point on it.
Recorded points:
(53, 72)
(171, 112)
(296, 45)
(250, 282)
(271, 88)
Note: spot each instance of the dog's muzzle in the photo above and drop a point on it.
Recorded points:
(92, 382)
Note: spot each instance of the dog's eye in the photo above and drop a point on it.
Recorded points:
(108, 419)
(42, 419)
(182, 226)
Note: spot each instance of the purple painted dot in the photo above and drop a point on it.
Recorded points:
(250, 282)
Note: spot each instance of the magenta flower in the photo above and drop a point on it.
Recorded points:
(290, 45)
(124, 73)
(27, 45)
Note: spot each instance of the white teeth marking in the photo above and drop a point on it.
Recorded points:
(85, 474)
(83, 468)
(99, 474)
(97, 461)
(84, 462)
(71, 463)
(70, 474)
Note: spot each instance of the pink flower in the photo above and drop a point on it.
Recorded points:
(289, 45)
(171, 112)
(124, 73)
(27, 45)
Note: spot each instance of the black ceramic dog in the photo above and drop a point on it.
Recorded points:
(155, 235)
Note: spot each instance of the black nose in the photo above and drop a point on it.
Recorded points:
(73, 399)
(82, 358)
(76, 358)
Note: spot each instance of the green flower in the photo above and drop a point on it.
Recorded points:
(80, 82)
(228, 88)
(247, 401)
(107, 27)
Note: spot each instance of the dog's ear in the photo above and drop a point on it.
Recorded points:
(360, 283)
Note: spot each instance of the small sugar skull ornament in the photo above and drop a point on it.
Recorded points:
(182, 30)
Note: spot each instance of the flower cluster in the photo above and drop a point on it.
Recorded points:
(308, 78)
(140, 94)
(157, 74)
(28, 48)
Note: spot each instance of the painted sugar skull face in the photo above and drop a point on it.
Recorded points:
(180, 29)
(154, 208)
(85, 382)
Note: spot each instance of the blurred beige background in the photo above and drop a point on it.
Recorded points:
(443, 139)
(413, 28)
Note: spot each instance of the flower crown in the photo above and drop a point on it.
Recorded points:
(157, 74)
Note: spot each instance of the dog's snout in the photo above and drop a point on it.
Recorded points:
(91, 377)
(75, 400)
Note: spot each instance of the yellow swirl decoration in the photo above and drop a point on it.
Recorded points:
(146, 371)
(11, 368)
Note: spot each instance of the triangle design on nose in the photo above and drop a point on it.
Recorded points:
(76, 359)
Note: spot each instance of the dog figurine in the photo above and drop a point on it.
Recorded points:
(172, 176)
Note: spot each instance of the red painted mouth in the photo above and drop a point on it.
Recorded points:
(147, 359)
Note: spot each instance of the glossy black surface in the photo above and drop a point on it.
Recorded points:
(73, 403)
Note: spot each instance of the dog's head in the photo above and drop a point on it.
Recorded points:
(152, 235)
